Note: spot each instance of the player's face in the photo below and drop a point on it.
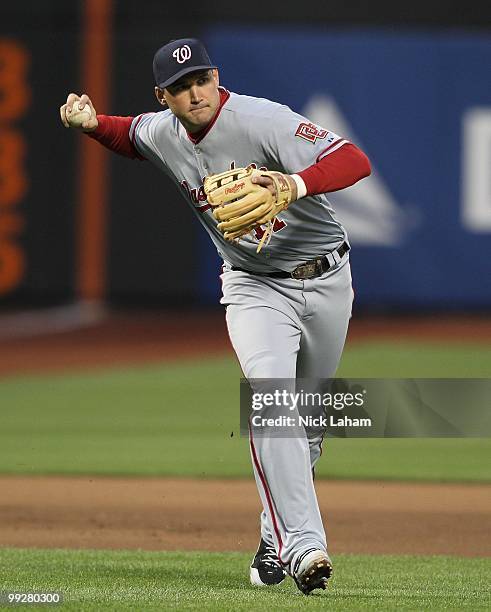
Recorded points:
(193, 99)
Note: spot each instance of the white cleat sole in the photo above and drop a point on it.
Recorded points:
(316, 572)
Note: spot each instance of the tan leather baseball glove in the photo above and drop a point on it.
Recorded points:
(241, 205)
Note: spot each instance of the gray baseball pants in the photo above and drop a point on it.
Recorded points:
(288, 329)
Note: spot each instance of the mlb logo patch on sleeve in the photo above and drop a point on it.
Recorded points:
(310, 132)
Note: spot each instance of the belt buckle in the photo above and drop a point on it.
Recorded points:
(305, 271)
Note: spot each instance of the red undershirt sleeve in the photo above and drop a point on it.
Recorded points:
(335, 171)
(114, 133)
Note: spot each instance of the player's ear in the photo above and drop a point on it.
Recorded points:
(160, 95)
(216, 76)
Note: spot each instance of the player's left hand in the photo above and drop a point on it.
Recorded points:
(266, 181)
(245, 198)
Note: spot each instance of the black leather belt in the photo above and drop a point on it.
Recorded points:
(310, 269)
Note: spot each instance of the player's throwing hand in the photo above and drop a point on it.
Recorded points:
(79, 112)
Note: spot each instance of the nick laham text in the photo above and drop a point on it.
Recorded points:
(309, 421)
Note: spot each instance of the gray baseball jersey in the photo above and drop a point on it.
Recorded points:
(247, 131)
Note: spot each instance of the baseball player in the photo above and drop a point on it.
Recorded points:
(286, 275)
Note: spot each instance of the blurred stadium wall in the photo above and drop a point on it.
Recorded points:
(409, 85)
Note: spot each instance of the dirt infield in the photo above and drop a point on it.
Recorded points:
(181, 514)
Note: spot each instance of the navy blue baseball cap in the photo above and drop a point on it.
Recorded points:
(177, 58)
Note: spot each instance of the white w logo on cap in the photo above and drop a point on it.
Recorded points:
(182, 54)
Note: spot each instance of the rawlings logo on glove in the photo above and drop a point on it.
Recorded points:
(235, 188)
(241, 205)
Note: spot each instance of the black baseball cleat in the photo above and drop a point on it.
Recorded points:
(266, 569)
(313, 568)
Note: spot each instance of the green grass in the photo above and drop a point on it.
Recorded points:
(416, 359)
(178, 419)
(119, 580)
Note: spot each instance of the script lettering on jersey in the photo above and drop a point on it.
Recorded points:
(310, 132)
(196, 195)
(233, 165)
